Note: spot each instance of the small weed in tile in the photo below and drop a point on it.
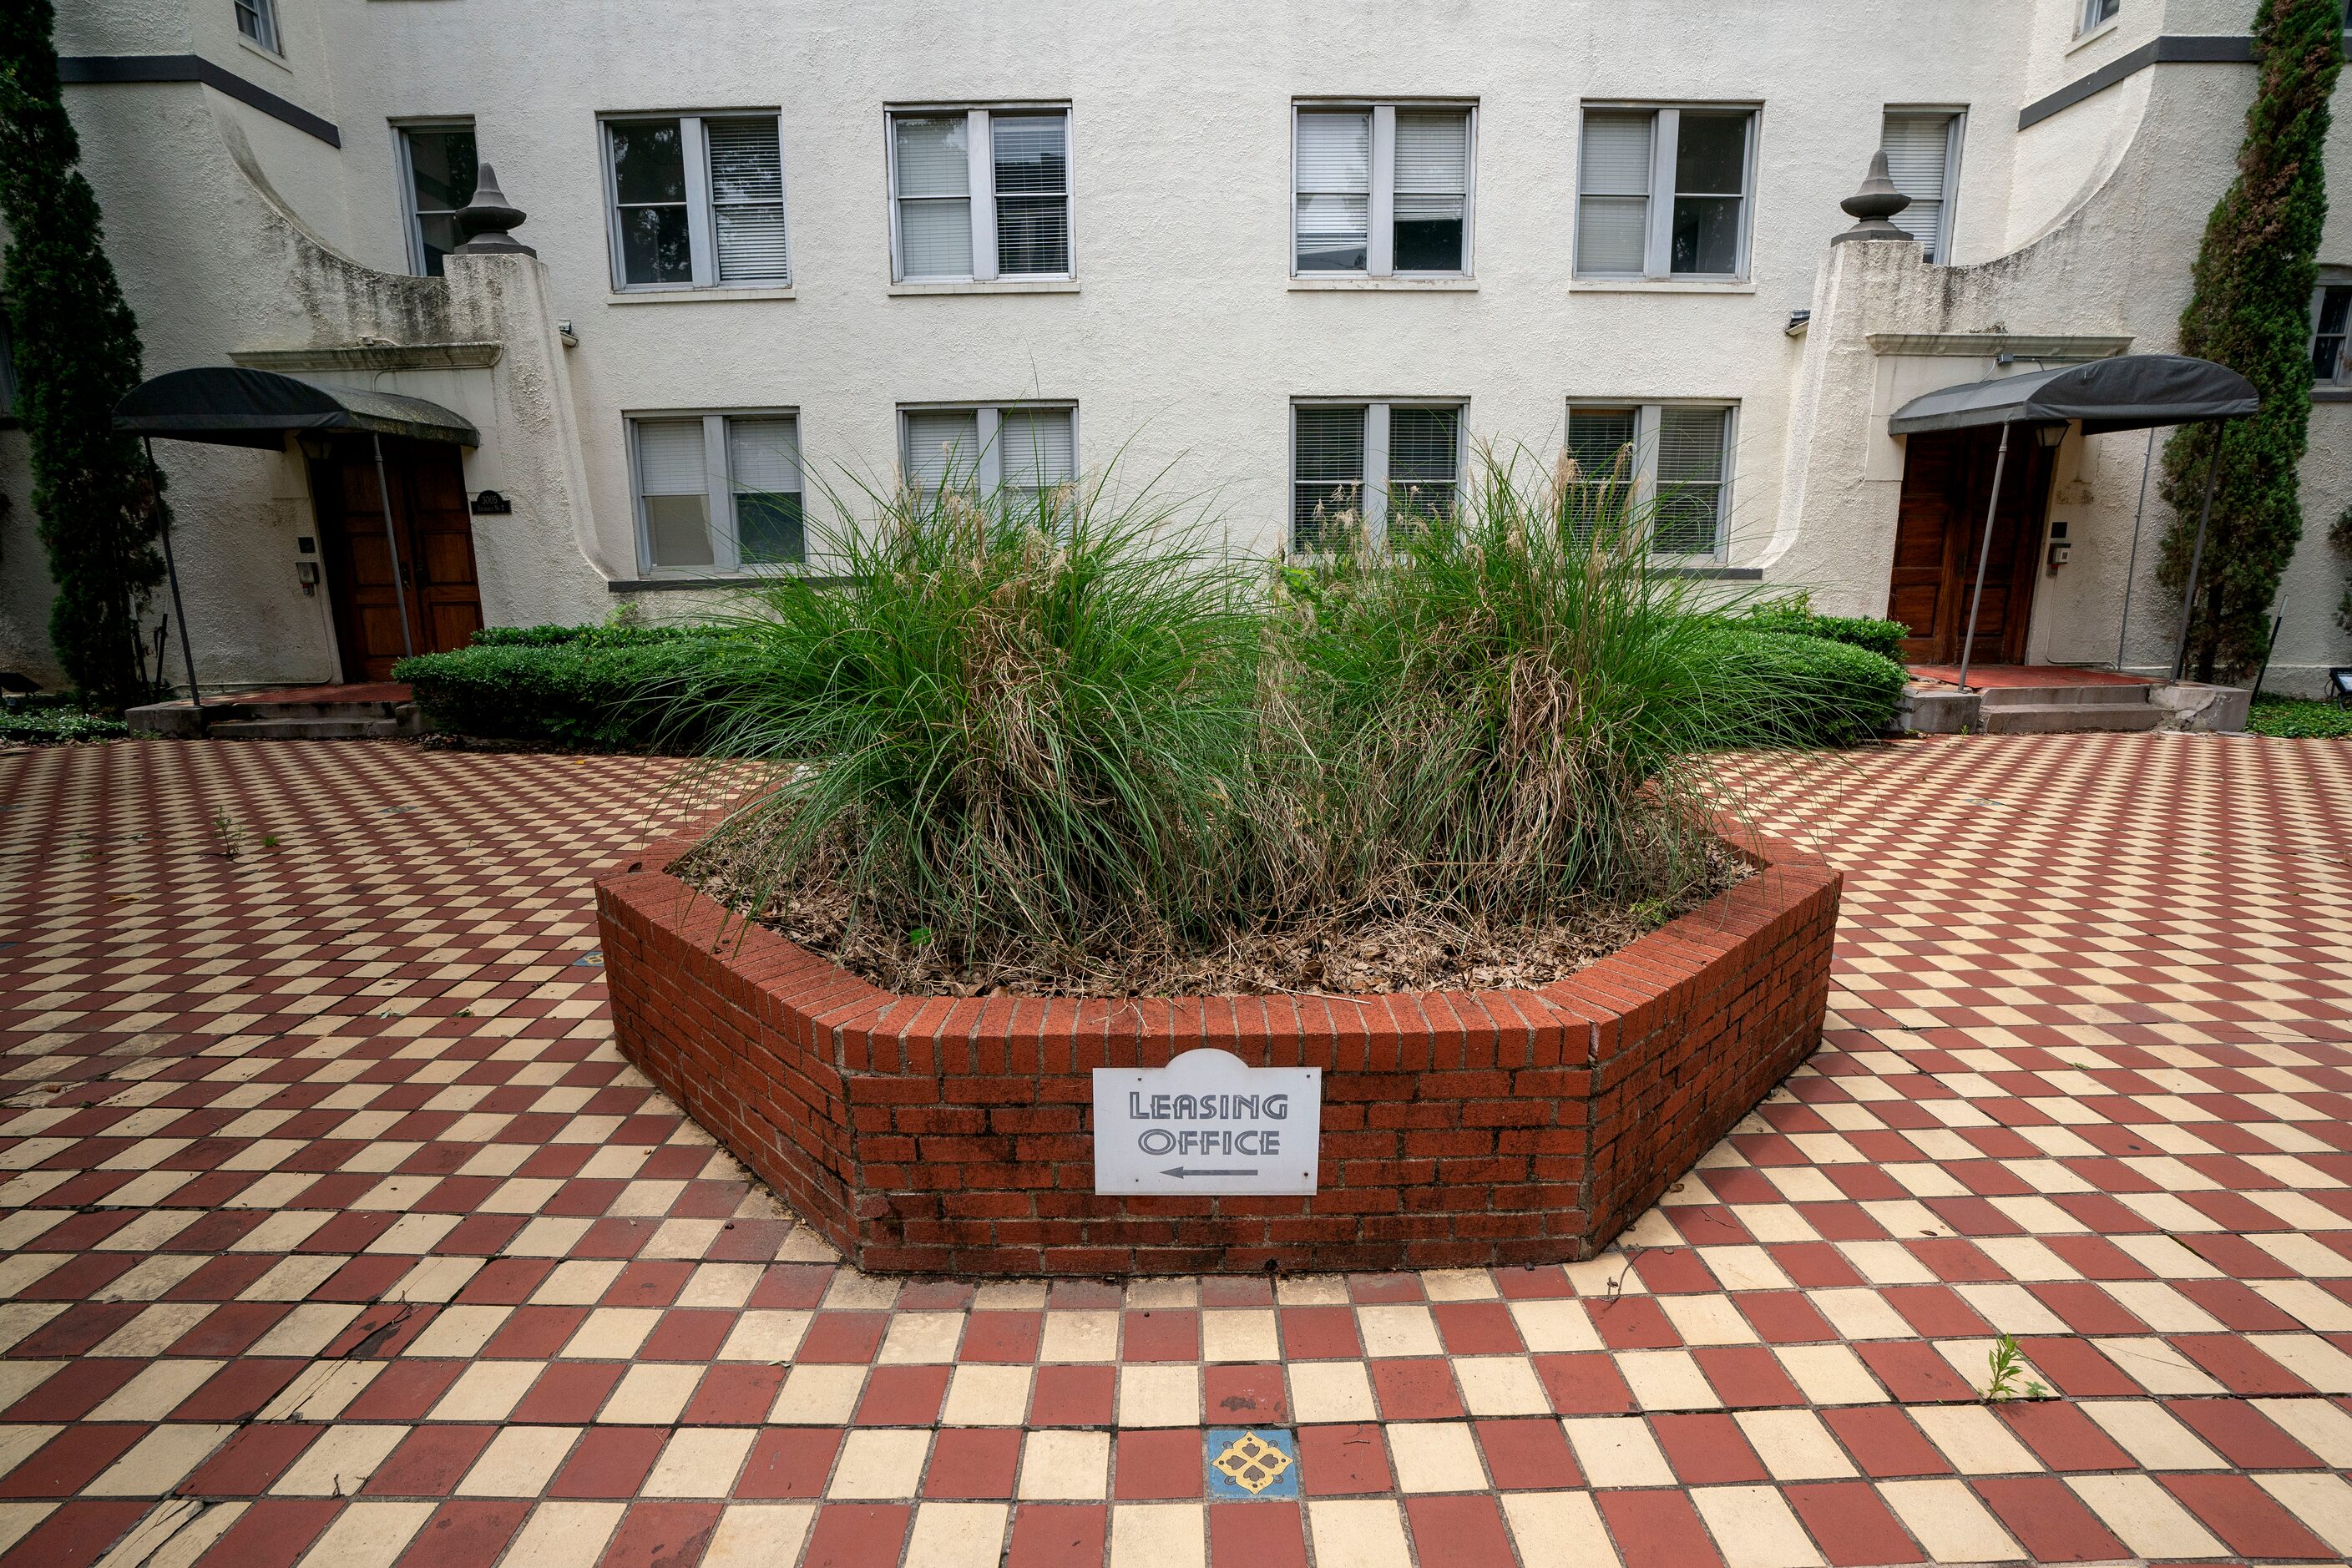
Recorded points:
(2008, 1365)
(269, 841)
(230, 833)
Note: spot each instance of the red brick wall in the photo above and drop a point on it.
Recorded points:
(941, 1136)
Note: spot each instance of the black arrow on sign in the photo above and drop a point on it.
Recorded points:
(1180, 1171)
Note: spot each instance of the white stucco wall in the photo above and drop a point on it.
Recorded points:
(1185, 339)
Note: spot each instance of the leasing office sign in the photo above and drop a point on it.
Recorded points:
(1207, 1122)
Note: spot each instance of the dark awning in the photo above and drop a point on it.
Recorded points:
(2128, 392)
(230, 406)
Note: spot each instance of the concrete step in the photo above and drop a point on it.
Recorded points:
(319, 709)
(2060, 717)
(347, 729)
(2073, 696)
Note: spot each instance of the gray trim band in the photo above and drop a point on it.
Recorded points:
(2171, 51)
(103, 69)
(686, 584)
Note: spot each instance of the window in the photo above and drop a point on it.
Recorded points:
(1025, 452)
(743, 470)
(980, 193)
(1663, 193)
(1670, 461)
(2097, 11)
(1380, 190)
(1923, 158)
(257, 20)
(1415, 449)
(2331, 314)
(696, 201)
(438, 160)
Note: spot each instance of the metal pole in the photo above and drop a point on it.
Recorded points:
(391, 543)
(2197, 556)
(1984, 554)
(172, 571)
(2270, 646)
(2131, 568)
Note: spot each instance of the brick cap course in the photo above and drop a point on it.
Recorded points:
(1460, 1128)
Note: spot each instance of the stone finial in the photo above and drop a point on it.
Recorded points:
(1871, 206)
(485, 220)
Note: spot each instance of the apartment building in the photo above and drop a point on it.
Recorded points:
(1286, 258)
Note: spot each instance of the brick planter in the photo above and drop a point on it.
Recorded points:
(940, 1135)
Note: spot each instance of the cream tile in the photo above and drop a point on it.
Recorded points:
(980, 1395)
(759, 1535)
(879, 1462)
(719, 1285)
(1501, 1385)
(577, 1282)
(157, 1391)
(1829, 1375)
(1946, 1519)
(1559, 1529)
(1860, 1314)
(457, 1333)
(1158, 1535)
(1708, 1318)
(1976, 1441)
(159, 1462)
(2323, 1502)
(339, 1462)
(569, 1534)
(1436, 1457)
(958, 1535)
(1060, 1466)
(920, 1339)
(488, 1390)
(1246, 1334)
(2148, 1433)
(1755, 1527)
(817, 1394)
(651, 1394)
(2145, 1517)
(1617, 1451)
(1398, 1330)
(1159, 1395)
(765, 1335)
(1554, 1325)
(1079, 1337)
(2323, 1429)
(2310, 1358)
(611, 1333)
(1666, 1380)
(1361, 1533)
(368, 1534)
(520, 1461)
(1331, 1391)
(700, 1462)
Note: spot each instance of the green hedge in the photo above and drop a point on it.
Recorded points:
(1826, 692)
(50, 721)
(578, 692)
(1884, 639)
(597, 636)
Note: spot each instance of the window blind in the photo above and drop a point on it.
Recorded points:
(1334, 195)
(942, 447)
(747, 200)
(1613, 217)
(1030, 155)
(934, 172)
(1692, 461)
(1424, 462)
(1601, 446)
(1037, 448)
(1329, 463)
(1432, 184)
(671, 481)
(763, 465)
(1918, 160)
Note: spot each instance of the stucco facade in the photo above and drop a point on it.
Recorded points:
(1182, 336)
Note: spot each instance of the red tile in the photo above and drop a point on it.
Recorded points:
(732, 1394)
(608, 1462)
(1666, 1525)
(1633, 1323)
(2062, 1437)
(404, 1391)
(76, 1389)
(1268, 1534)
(789, 1462)
(2247, 1519)
(272, 1533)
(2077, 1368)
(842, 1337)
(2237, 1365)
(1161, 1334)
(2243, 1435)
(534, 1333)
(75, 1536)
(1320, 1333)
(1850, 1524)
(469, 1533)
(238, 1390)
(69, 1461)
(570, 1392)
(1057, 1535)
(1527, 1456)
(1914, 1370)
(1157, 1464)
(250, 1461)
(1072, 1396)
(973, 1462)
(1707, 1449)
(902, 1396)
(1462, 1531)
(1884, 1443)
(1584, 1382)
(1746, 1376)
(1935, 1312)
(1784, 1317)
(1478, 1327)
(1241, 1395)
(2049, 1520)
(858, 1535)
(661, 1536)
(1419, 1389)
(686, 1333)
(430, 1462)
(1001, 1336)
(1343, 1461)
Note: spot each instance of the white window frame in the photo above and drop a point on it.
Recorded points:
(1647, 413)
(1380, 223)
(401, 132)
(266, 35)
(1955, 141)
(1665, 131)
(1375, 496)
(702, 216)
(719, 494)
(2092, 15)
(2332, 279)
(988, 466)
(980, 147)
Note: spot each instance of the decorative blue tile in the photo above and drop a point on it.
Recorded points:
(1246, 1464)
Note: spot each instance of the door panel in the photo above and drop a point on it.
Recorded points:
(1939, 529)
(435, 539)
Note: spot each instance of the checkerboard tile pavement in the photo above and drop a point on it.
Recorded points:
(333, 1229)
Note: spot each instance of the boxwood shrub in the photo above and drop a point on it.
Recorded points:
(1804, 690)
(1884, 639)
(606, 688)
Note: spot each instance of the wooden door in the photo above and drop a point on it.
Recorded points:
(434, 537)
(1940, 528)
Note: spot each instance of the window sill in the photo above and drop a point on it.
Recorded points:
(272, 55)
(733, 580)
(1384, 285)
(1700, 567)
(696, 295)
(993, 286)
(1662, 285)
(2083, 40)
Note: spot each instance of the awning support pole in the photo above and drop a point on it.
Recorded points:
(2197, 556)
(392, 544)
(1984, 554)
(172, 571)
(2131, 567)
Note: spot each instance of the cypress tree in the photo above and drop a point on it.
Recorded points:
(2251, 310)
(77, 352)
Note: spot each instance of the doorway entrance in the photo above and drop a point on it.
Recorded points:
(1947, 482)
(433, 532)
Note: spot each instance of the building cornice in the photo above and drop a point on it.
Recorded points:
(1993, 345)
(2174, 49)
(372, 356)
(88, 70)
